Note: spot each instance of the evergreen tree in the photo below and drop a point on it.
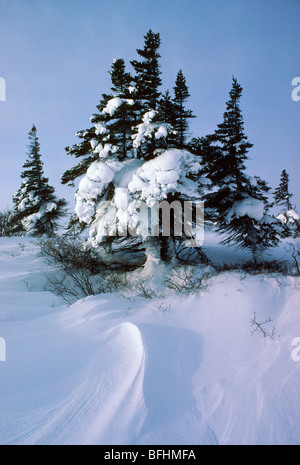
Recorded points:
(147, 73)
(147, 95)
(128, 161)
(182, 115)
(282, 196)
(288, 216)
(239, 203)
(120, 79)
(111, 130)
(36, 208)
(209, 155)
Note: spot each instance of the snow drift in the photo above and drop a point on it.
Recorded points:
(183, 370)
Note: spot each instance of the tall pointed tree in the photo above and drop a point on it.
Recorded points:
(147, 72)
(288, 216)
(239, 202)
(120, 178)
(36, 208)
(282, 195)
(182, 115)
(111, 130)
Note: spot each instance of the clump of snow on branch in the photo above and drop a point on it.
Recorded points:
(114, 103)
(290, 216)
(134, 182)
(253, 208)
(148, 128)
(166, 174)
(91, 186)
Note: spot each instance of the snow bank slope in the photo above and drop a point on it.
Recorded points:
(185, 370)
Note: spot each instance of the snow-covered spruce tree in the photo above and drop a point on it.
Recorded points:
(115, 188)
(147, 84)
(111, 130)
(36, 208)
(287, 215)
(121, 180)
(239, 203)
(182, 115)
(104, 148)
(110, 135)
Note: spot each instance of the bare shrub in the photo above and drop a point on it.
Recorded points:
(184, 279)
(163, 308)
(294, 249)
(5, 224)
(71, 255)
(252, 268)
(140, 287)
(80, 272)
(261, 327)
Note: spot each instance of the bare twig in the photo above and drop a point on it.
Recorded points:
(259, 327)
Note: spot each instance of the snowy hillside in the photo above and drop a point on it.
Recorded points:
(185, 369)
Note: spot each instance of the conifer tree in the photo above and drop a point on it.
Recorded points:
(182, 115)
(288, 216)
(147, 72)
(36, 208)
(282, 195)
(167, 112)
(129, 163)
(239, 203)
(111, 130)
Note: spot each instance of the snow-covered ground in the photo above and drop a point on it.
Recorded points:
(181, 370)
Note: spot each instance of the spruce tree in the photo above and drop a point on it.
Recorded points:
(147, 72)
(239, 203)
(129, 162)
(111, 130)
(182, 115)
(288, 216)
(36, 208)
(282, 195)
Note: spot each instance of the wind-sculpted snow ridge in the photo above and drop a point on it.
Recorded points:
(185, 369)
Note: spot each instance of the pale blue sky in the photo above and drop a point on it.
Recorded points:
(55, 56)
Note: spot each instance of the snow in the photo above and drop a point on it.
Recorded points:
(121, 197)
(165, 174)
(114, 103)
(99, 129)
(105, 149)
(161, 132)
(131, 89)
(167, 177)
(180, 370)
(249, 206)
(98, 175)
(136, 183)
(144, 129)
(50, 207)
(290, 216)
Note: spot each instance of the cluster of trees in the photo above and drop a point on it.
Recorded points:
(138, 150)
